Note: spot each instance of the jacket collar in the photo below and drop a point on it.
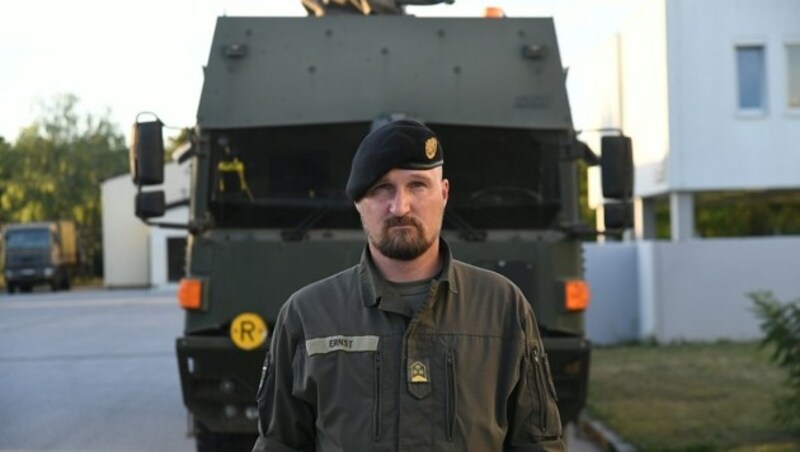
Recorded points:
(374, 287)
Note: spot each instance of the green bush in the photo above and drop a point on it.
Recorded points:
(780, 323)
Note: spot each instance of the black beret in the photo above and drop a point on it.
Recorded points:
(402, 144)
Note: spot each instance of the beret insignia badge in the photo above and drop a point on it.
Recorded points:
(430, 148)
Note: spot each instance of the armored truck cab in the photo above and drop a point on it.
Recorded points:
(284, 105)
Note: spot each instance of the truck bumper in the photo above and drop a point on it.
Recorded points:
(29, 276)
(219, 382)
(569, 363)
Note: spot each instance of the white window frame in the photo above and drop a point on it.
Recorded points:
(792, 110)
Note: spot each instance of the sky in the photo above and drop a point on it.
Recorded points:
(122, 57)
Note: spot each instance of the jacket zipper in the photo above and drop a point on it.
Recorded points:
(376, 408)
(451, 395)
(537, 372)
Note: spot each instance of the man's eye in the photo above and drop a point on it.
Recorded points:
(382, 188)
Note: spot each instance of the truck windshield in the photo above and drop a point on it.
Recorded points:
(32, 238)
(282, 177)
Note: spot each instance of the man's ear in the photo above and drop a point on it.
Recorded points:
(445, 189)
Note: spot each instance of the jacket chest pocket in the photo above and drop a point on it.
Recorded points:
(344, 385)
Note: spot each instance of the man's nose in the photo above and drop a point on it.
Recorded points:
(400, 204)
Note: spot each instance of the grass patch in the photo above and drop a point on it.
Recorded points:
(690, 397)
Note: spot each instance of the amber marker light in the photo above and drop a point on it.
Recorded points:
(190, 293)
(494, 12)
(576, 295)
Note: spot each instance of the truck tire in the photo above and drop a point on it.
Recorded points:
(10, 288)
(54, 283)
(63, 281)
(208, 441)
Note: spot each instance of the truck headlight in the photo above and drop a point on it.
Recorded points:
(231, 411)
(9, 273)
(48, 272)
(251, 413)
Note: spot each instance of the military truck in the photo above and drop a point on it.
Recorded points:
(40, 253)
(284, 105)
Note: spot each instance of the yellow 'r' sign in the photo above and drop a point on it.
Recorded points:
(248, 331)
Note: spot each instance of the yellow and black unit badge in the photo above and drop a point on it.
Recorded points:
(418, 372)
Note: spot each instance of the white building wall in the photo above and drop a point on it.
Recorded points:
(714, 146)
(689, 138)
(703, 285)
(623, 85)
(613, 315)
(125, 238)
(686, 291)
(675, 93)
(134, 254)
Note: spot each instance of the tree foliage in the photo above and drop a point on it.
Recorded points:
(780, 323)
(737, 214)
(54, 170)
(173, 143)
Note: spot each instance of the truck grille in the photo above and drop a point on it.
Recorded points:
(25, 260)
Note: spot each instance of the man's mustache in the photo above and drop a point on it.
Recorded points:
(401, 221)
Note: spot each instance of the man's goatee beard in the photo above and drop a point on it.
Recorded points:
(402, 245)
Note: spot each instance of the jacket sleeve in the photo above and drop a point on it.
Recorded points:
(534, 423)
(285, 422)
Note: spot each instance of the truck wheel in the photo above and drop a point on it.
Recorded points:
(53, 285)
(10, 288)
(208, 441)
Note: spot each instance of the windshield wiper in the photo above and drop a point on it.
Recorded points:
(299, 232)
(465, 230)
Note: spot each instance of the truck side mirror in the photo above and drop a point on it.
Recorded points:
(147, 154)
(616, 166)
(150, 204)
(618, 215)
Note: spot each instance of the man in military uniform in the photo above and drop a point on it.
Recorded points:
(410, 349)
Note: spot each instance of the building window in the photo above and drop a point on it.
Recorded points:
(793, 75)
(752, 80)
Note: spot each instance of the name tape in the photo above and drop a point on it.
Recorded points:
(342, 343)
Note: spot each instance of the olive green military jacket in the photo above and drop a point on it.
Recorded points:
(348, 371)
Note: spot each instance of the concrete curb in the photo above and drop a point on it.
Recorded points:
(603, 436)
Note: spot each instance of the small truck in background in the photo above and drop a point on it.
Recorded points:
(40, 253)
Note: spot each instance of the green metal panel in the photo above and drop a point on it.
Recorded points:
(285, 71)
(256, 271)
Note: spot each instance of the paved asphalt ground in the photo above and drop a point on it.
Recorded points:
(95, 370)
